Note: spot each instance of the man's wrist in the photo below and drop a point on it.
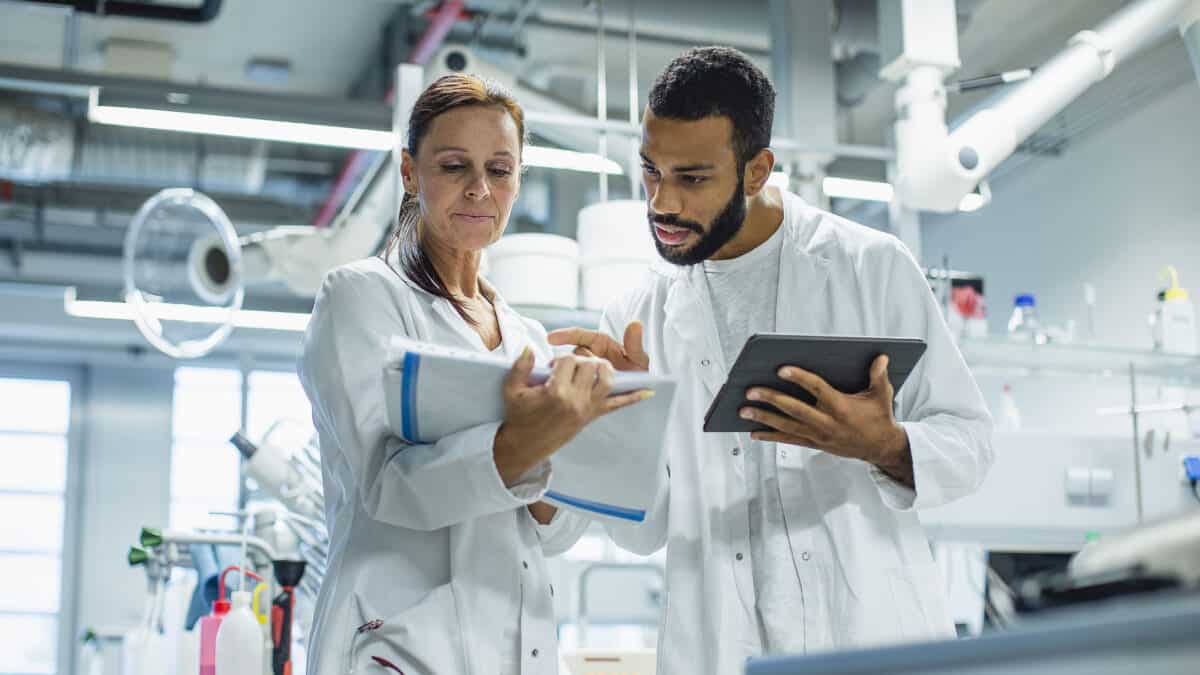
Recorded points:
(895, 456)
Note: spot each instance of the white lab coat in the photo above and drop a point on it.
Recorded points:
(426, 538)
(857, 546)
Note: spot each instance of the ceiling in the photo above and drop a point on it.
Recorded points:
(327, 47)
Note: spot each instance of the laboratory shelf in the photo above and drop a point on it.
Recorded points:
(1002, 353)
(991, 353)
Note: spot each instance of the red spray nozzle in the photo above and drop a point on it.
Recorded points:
(221, 586)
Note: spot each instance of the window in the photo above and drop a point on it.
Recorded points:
(33, 485)
(208, 410)
(204, 466)
(276, 396)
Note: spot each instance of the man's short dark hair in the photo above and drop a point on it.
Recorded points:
(718, 81)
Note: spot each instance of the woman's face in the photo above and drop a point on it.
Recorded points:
(466, 176)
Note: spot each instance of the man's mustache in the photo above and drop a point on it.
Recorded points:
(674, 221)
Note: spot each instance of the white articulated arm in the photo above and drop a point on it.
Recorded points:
(937, 169)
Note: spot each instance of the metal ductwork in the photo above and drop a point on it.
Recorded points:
(202, 13)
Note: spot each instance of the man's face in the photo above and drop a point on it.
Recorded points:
(693, 186)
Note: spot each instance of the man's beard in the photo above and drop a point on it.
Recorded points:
(723, 229)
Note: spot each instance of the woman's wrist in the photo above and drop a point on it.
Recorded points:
(510, 455)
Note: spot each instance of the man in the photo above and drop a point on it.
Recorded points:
(804, 538)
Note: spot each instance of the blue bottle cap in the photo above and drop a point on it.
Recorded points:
(1025, 300)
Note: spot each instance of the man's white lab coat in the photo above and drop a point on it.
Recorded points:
(858, 549)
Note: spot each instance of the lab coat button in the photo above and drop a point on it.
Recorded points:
(804, 556)
(738, 556)
(736, 451)
(552, 590)
(534, 653)
(525, 564)
(706, 363)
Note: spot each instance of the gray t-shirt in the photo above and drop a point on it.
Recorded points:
(744, 292)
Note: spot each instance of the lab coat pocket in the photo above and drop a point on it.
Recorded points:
(424, 639)
(917, 592)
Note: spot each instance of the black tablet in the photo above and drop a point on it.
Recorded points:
(843, 362)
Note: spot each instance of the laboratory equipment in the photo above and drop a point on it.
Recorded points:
(288, 573)
(286, 472)
(615, 248)
(179, 311)
(1010, 415)
(239, 645)
(1158, 635)
(1174, 321)
(143, 647)
(1168, 548)
(1024, 325)
(535, 269)
(91, 658)
(937, 167)
(207, 634)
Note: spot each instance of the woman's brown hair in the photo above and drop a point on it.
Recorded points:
(446, 93)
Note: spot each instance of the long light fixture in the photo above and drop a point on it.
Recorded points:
(305, 133)
(236, 126)
(878, 191)
(554, 158)
(245, 318)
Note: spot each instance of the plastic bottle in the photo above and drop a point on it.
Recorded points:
(1175, 320)
(209, 627)
(1010, 415)
(1024, 324)
(240, 640)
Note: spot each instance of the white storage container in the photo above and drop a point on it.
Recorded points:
(616, 248)
(535, 269)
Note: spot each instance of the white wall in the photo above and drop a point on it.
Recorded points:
(1112, 210)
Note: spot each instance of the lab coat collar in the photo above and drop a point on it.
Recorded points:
(803, 268)
(513, 335)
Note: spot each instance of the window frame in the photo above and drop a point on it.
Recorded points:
(76, 377)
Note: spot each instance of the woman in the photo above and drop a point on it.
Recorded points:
(436, 561)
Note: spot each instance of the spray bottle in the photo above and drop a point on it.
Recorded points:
(210, 626)
(240, 640)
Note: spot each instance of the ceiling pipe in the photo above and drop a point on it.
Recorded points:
(443, 20)
(205, 13)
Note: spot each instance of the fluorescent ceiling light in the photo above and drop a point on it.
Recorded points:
(245, 318)
(237, 127)
(309, 134)
(850, 188)
(554, 158)
(876, 191)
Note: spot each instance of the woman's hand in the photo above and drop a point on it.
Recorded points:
(540, 419)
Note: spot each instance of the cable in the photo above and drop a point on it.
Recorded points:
(1195, 492)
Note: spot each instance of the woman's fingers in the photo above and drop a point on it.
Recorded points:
(613, 403)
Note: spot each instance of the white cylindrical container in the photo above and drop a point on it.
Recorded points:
(240, 640)
(616, 249)
(616, 230)
(535, 269)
